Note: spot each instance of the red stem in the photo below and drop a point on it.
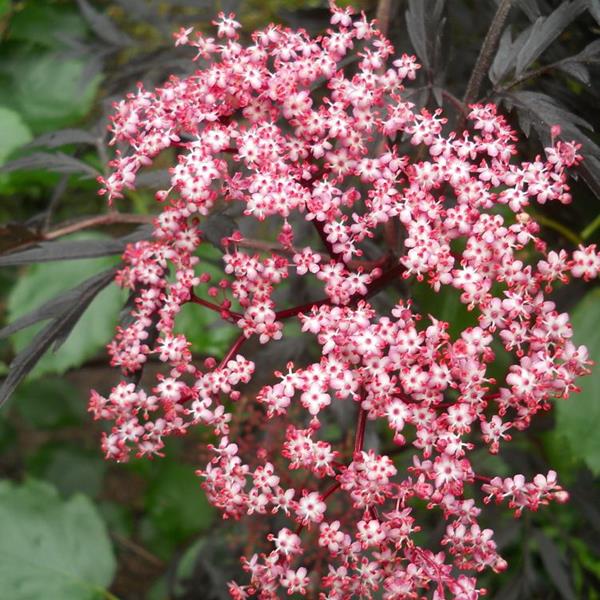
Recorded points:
(237, 344)
(372, 289)
(361, 425)
(295, 310)
(483, 478)
(230, 315)
(336, 486)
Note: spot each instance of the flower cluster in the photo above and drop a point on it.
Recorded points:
(281, 127)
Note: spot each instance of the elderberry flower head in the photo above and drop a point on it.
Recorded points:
(280, 128)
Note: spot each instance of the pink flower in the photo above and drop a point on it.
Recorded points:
(277, 127)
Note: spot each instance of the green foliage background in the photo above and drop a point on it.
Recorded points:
(73, 527)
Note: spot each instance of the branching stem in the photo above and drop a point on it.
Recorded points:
(486, 54)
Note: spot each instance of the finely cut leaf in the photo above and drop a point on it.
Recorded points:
(576, 66)
(542, 112)
(530, 8)
(74, 249)
(424, 23)
(555, 565)
(590, 52)
(55, 333)
(590, 171)
(57, 162)
(63, 137)
(586, 498)
(577, 71)
(415, 22)
(217, 227)
(48, 310)
(102, 26)
(545, 30)
(50, 548)
(506, 55)
(594, 8)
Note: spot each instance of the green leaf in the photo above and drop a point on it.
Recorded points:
(208, 334)
(8, 437)
(186, 564)
(578, 419)
(70, 469)
(50, 403)
(159, 590)
(46, 24)
(4, 7)
(204, 328)
(14, 133)
(50, 548)
(94, 330)
(444, 305)
(118, 517)
(176, 503)
(48, 89)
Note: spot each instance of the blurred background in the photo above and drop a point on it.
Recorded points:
(144, 530)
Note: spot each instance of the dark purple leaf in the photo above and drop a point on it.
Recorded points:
(530, 8)
(575, 66)
(546, 112)
(62, 137)
(594, 8)
(512, 590)
(424, 23)
(506, 55)
(542, 112)
(545, 30)
(590, 52)
(102, 26)
(590, 171)
(576, 70)
(556, 565)
(57, 330)
(216, 227)
(74, 249)
(156, 178)
(57, 162)
(586, 498)
(48, 310)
